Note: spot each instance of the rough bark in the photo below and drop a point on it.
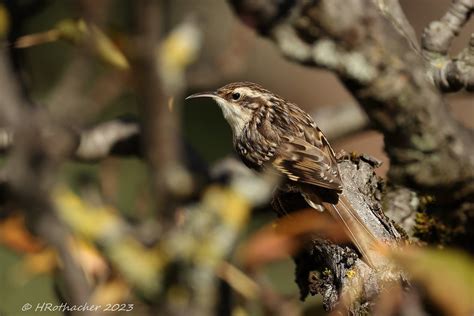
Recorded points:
(332, 270)
(428, 149)
(431, 154)
(380, 68)
(450, 73)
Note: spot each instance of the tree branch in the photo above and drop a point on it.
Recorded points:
(389, 80)
(171, 181)
(117, 137)
(341, 120)
(122, 136)
(29, 173)
(392, 10)
(335, 270)
(450, 74)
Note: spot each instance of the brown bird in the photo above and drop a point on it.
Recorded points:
(270, 132)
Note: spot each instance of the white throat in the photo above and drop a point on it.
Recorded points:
(235, 116)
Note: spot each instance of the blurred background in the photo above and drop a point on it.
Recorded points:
(229, 52)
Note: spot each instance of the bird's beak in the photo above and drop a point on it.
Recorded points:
(207, 94)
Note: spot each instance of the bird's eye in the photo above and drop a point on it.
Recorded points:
(235, 96)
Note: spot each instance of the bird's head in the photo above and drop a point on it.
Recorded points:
(239, 102)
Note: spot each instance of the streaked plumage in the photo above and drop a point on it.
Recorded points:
(282, 135)
(270, 132)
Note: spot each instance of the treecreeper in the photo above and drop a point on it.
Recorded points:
(271, 133)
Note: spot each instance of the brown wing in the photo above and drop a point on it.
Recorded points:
(303, 162)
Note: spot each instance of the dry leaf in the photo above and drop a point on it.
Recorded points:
(285, 236)
(15, 235)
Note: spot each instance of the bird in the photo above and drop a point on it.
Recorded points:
(271, 133)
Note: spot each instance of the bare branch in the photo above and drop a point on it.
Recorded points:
(392, 10)
(161, 125)
(450, 74)
(122, 137)
(58, 235)
(109, 138)
(67, 96)
(439, 35)
(70, 96)
(341, 120)
(10, 105)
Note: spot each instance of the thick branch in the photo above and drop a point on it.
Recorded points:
(387, 77)
(429, 151)
(329, 269)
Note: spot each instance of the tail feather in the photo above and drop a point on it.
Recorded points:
(358, 232)
(360, 235)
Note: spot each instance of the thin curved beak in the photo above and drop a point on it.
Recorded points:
(207, 94)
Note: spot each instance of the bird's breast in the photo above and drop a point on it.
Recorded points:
(254, 150)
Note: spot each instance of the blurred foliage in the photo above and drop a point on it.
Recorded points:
(16, 291)
(4, 21)
(286, 236)
(446, 275)
(81, 33)
(99, 200)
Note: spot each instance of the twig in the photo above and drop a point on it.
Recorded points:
(439, 35)
(54, 231)
(392, 10)
(238, 280)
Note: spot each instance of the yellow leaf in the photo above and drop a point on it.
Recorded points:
(112, 292)
(43, 262)
(181, 46)
(4, 21)
(93, 222)
(447, 276)
(82, 33)
(89, 258)
(233, 208)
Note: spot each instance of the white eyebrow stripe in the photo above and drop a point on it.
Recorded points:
(245, 91)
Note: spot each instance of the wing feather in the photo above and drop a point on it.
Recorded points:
(303, 162)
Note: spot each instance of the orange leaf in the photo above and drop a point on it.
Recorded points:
(285, 237)
(14, 235)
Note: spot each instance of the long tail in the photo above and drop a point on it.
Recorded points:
(359, 233)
